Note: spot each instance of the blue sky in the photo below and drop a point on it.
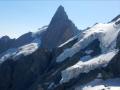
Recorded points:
(18, 17)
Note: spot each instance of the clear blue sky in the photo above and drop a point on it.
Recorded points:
(18, 17)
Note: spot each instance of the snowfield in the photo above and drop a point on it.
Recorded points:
(84, 67)
(23, 50)
(100, 31)
(27, 49)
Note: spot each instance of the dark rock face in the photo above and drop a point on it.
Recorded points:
(59, 30)
(22, 73)
(114, 66)
(5, 43)
(95, 47)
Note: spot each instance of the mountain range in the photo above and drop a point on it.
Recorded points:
(61, 57)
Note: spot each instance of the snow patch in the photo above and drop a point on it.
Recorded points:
(99, 84)
(27, 49)
(16, 53)
(84, 67)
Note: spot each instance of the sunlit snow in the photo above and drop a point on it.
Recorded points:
(84, 67)
(27, 49)
(23, 50)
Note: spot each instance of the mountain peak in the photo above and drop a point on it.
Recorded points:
(61, 7)
(5, 38)
(60, 14)
(59, 30)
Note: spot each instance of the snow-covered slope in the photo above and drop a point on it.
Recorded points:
(100, 31)
(85, 67)
(15, 53)
(26, 49)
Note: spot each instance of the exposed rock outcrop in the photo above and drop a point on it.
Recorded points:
(20, 74)
(59, 30)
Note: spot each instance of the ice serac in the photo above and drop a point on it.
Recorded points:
(59, 30)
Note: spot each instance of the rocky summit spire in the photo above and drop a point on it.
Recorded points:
(59, 30)
(60, 14)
